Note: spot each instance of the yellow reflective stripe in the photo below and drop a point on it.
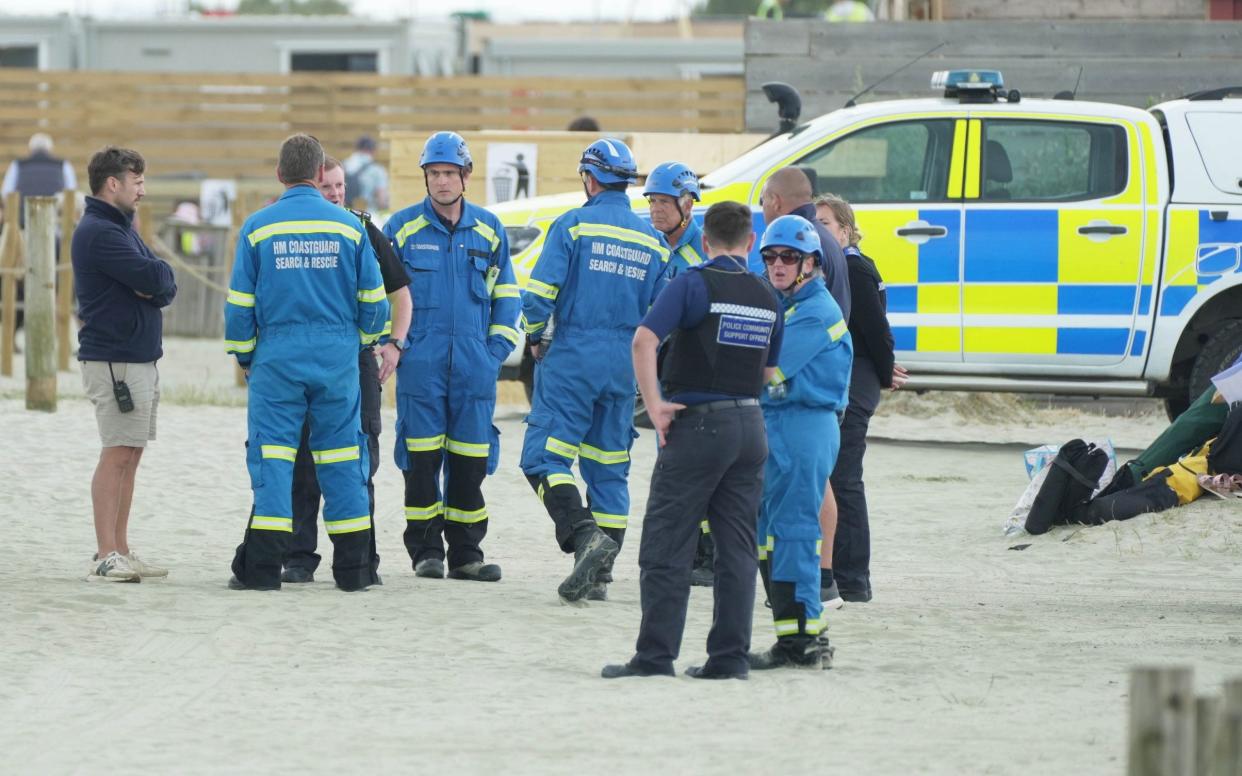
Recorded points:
(603, 456)
(239, 346)
(786, 627)
(372, 295)
(619, 233)
(539, 288)
(351, 525)
(789, 313)
(972, 160)
(819, 546)
(690, 255)
(554, 445)
(816, 626)
(425, 513)
(279, 451)
(957, 159)
(489, 234)
(266, 523)
(338, 455)
(605, 520)
(508, 332)
(777, 378)
(424, 444)
(469, 449)
(837, 330)
(560, 479)
(531, 328)
(387, 328)
(409, 230)
(506, 291)
(705, 526)
(464, 516)
(303, 227)
(240, 298)
(368, 339)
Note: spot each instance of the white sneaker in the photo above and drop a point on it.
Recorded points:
(113, 568)
(143, 568)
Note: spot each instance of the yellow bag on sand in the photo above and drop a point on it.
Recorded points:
(1184, 475)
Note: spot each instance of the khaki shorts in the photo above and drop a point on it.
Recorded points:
(116, 428)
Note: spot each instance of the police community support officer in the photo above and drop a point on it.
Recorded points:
(726, 338)
(465, 311)
(800, 409)
(599, 271)
(306, 288)
(302, 560)
(671, 190)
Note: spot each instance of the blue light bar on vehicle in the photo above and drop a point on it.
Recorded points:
(969, 85)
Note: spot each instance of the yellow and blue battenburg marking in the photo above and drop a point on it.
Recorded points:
(1199, 252)
(919, 278)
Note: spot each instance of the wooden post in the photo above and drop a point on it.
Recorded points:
(64, 280)
(41, 303)
(1229, 739)
(241, 211)
(10, 259)
(1207, 728)
(1162, 708)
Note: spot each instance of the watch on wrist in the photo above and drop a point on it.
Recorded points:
(398, 344)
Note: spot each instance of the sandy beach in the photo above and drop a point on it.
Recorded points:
(974, 657)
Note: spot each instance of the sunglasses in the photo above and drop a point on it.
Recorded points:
(788, 258)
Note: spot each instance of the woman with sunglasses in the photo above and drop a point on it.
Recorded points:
(874, 370)
(801, 409)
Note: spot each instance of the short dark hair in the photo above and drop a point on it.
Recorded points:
(301, 156)
(113, 162)
(584, 124)
(728, 224)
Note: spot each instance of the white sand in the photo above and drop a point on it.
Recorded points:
(973, 659)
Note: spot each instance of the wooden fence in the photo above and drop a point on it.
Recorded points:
(1134, 63)
(230, 126)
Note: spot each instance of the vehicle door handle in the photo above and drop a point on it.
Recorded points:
(1102, 228)
(921, 229)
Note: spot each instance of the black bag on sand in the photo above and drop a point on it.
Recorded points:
(1072, 477)
(1225, 456)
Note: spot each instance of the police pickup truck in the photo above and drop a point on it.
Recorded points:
(1037, 245)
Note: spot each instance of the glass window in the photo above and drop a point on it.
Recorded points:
(1216, 135)
(349, 62)
(905, 161)
(1052, 161)
(19, 56)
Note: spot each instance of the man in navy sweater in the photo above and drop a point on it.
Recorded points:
(121, 286)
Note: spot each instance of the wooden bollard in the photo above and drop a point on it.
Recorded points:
(1162, 721)
(41, 303)
(10, 261)
(64, 280)
(1207, 731)
(1229, 737)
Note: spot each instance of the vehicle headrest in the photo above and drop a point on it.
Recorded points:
(996, 163)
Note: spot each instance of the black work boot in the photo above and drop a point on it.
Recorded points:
(788, 653)
(593, 550)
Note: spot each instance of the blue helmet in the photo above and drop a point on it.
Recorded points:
(792, 232)
(609, 160)
(673, 179)
(446, 148)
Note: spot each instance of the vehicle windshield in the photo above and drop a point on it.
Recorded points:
(732, 170)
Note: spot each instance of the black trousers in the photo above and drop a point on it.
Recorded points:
(851, 550)
(306, 494)
(711, 465)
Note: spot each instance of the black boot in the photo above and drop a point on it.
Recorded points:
(593, 550)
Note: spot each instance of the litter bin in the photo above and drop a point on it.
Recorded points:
(502, 185)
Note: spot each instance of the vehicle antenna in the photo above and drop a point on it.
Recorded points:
(850, 102)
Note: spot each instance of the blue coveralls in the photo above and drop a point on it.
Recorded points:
(688, 252)
(466, 305)
(599, 271)
(800, 409)
(305, 295)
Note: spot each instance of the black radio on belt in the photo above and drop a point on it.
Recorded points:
(124, 401)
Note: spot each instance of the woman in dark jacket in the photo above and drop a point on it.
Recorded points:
(874, 370)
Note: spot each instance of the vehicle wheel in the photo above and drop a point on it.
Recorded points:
(1219, 352)
(526, 373)
(640, 413)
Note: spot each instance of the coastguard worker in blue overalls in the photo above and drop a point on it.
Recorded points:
(801, 410)
(466, 305)
(305, 295)
(599, 271)
(671, 190)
